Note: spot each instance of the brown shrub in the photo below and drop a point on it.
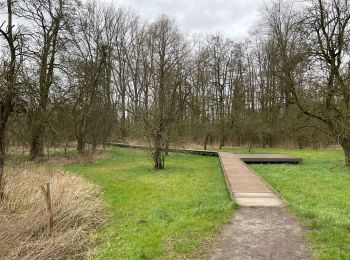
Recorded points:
(77, 209)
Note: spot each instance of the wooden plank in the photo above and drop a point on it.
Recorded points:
(246, 188)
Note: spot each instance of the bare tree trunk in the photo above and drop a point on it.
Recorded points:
(94, 146)
(250, 147)
(2, 158)
(167, 148)
(206, 141)
(222, 141)
(345, 144)
(123, 119)
(8, 96)
(5, 112)
(36, 144)
(81, 145)
(158, 156)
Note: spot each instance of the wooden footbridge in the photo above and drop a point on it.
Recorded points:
(261, 228)
(245, 186)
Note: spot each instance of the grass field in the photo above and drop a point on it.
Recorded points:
(170, 214)
(318, 193)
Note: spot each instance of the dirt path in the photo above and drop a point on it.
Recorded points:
(262, 233)
(261, 228)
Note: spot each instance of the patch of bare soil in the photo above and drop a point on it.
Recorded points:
(262, 233)
(77, 212)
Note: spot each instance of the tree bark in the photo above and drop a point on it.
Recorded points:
(94, 146)
(345, 144)
(206, 141)
(123, 119)
(36, 144)
(222, 141)
(7, 101)
(158, 156)
(5, 112)
(81, 144)
(167, 148)
(2, 158)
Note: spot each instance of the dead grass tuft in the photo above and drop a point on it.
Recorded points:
(77, 208)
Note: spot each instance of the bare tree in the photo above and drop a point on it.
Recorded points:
(47, 19)
(107, 74)
(328, 24)
(8, 81)
(167, 51)
(318, 37)
(90, 67)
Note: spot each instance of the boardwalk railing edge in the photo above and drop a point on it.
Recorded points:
(229, 188)
(215, 154)
(175, 150)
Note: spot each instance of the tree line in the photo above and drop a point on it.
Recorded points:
(91, 72)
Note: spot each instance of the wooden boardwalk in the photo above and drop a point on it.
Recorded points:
(261, 229)
(246, 188)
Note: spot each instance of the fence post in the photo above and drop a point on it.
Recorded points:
(47, 196)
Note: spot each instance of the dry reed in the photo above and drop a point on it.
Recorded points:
(77, 209)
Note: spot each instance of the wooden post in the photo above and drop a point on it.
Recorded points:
(47, 196)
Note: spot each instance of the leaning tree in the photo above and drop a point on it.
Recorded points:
(313, 47)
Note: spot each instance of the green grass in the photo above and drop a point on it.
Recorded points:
(169, 214)
(318, 193)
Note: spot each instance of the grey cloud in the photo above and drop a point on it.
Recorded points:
(234, 18)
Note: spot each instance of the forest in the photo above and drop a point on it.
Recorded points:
(90, 73)
(124, 136)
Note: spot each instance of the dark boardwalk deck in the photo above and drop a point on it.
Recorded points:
(247, 158)
(268, 158)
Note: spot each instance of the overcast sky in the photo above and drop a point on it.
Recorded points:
(234, 18)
